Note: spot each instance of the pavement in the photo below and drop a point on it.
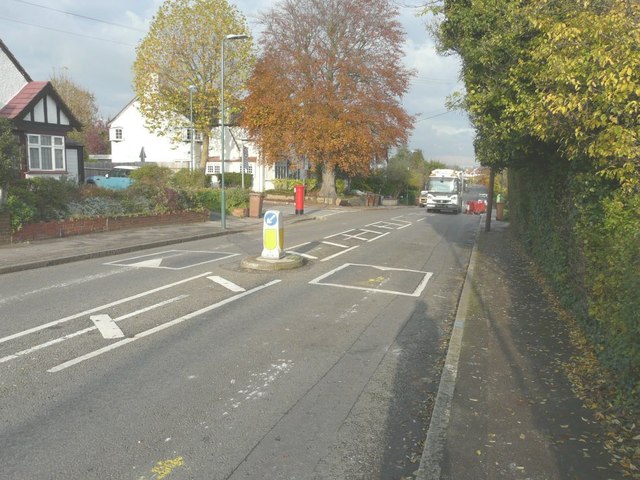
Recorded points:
(43, 253)
(504, 408)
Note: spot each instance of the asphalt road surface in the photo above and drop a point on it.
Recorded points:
(178, 363)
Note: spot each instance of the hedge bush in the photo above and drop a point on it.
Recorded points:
(234, 179)
(155, 190)
(288, 184)
(584, 233)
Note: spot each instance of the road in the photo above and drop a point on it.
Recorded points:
(178, 363)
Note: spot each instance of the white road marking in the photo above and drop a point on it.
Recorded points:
(379, 237)
(338, 254)
(77, 281)
(358, 236)
(106, 326)
(97, 309)
(341, 233)
(416, 292)
(226, 284)
(46, 344)
(86, 330)
(158, 258)
(157, 329)
(153, 263)
(305, 255)
(299, 245)
(384, 225)
(336, 244)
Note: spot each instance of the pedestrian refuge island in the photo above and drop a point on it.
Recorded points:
(274, 256)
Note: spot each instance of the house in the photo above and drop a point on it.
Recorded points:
(41, 121)
(132, 142)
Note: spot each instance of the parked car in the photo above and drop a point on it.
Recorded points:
(116, 179)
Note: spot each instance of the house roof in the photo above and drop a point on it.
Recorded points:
(22, 100)
(30, 94)
(112, 122)
(8, 53)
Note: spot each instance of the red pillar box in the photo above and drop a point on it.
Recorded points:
(299, 195)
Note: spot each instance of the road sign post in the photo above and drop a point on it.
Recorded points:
(273, 235)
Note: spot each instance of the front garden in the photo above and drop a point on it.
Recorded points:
(156, 191)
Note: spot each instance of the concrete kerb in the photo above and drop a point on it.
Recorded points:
(48, 262)
(108, 252)
(288, 262)
(432, 456)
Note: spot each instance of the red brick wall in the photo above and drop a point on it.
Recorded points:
(67, 228)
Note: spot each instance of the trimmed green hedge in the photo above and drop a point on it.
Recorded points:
(584, 233)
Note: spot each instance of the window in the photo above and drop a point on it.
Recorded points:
(212, 168)
(282, 169)
(116, 134)
(186, 136)
(46, 152)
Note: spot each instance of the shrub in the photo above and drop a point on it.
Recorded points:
(52, 196)
(287, 184)
(186, 179)
(208, 199)
(40, 199)
(234, 179)
(236, 198)
(155, 190)
(21, 211)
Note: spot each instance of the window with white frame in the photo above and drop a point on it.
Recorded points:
(212, 168)
(186, 135)
(116, 134)
(46, 152)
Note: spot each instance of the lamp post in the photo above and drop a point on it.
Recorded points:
(192, 88)
(223, 206)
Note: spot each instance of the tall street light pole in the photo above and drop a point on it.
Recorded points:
(223, 203)
(192, 88)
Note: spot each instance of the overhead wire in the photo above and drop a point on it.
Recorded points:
(80, 16)
(66, 31)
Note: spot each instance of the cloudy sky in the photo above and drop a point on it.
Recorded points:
(95, 42)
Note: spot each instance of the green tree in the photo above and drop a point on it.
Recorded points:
(585, 93)
(328, 85)
(9, 157)
(491, 38)
(183, 48)
(94, 134)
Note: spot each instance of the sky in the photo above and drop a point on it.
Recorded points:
(94, 43)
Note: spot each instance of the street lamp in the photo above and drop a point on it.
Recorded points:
(192, 88)
(223, 206)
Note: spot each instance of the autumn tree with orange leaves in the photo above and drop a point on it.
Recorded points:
(328, 85)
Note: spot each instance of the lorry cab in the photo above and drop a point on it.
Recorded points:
(443, 191)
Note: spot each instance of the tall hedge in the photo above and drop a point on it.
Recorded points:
(585, 235)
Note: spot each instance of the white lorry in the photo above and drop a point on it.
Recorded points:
(443, 191)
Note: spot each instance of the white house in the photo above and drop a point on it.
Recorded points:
(132, 142)
(40, 121)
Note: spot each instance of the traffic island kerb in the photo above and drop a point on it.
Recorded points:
(288, 262)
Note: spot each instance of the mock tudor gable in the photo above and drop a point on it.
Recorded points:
(40, 118)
